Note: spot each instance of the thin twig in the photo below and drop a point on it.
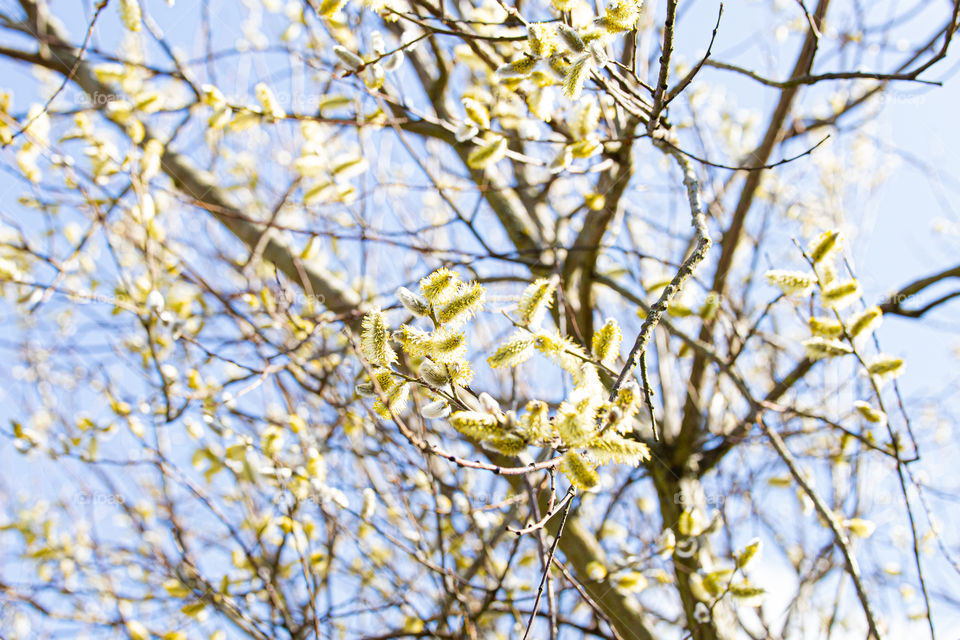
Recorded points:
(69, 76)
(763, 167)
(546, 572)
(853, 569)
(543, 521)
(687, 79)
(686, 267)
(659, 98)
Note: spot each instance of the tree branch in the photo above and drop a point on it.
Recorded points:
(893, 305)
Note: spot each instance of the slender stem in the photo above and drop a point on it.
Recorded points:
(546, 571)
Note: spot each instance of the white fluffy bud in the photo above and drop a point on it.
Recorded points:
(435, 410)
(155, 301)
(433, 374)
(349, 58)
(466, 131)
(412, 302)
(489, 404)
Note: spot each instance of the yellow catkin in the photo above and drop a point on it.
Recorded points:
(519, 67)
(606, 341)
(446, 347)
(460, 372)
(536, 299)
(576, 423)
(817, 348)
(510, 444)
(612, 447)
(375, 339)
(825, 327)
(542, 40)
(535, 422)
(628, 400)
(474, 424)
(477, 112)
(865, 322)
(396, 400)
(747, 595)
(869, 413)
(841, 294)
(791, 282)
(415, 341)
(751, 551)
(823, 245)
(586, 148)
(587, 119)
(130, 14)
(620, 16)
(488, 154)
(563, 351)
(467, 301)
(438, 286)
(329, 8)
(587, 377)
(576, 75)
(268, 102)
(885, 366)
(513, 352)
(578, 471)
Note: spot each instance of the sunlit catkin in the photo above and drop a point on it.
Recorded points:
(130, 14)
(606, 341)
(513, 352)
(536, 299)
(580, 473)
(375, 339)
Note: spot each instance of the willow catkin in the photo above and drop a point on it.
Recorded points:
(535, 300)
(375, 339)
(130, 14)
(513, 352)
(841, 295)
(488, 154)
(869, 413)
(818, 347)
(823, 245)
(825, 327)
(576, 76)
(463, 305)
(865, 322)
(268, 102)
(606, 341)
(437, 286)
(578, 471)
(412, 302)
(886, 366)
(791, 282)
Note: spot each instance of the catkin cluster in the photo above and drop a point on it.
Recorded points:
(586, 428)
(834, 334)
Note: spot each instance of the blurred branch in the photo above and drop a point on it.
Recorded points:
(827, 514)
(893, 305)
(733, 235)
(612, 185)
(814, 79)
(687, 267)
(63, 58)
